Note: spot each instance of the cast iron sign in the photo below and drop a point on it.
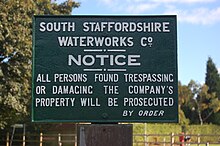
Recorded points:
(104, 69)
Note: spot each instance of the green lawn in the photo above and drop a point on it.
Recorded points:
(174, 145)
(205, 145)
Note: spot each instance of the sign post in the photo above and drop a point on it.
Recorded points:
(105, 134)
(104, 69)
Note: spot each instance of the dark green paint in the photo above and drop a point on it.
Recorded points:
(49, 58)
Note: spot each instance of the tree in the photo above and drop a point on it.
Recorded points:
(194, 107)
(197, 104)
(184, 96)
(188, 103)
(15, 53)
(203, 104)
(208, 103)
(212, 79)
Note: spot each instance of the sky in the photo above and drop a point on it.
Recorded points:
(198, 28)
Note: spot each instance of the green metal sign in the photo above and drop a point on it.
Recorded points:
(104, 69)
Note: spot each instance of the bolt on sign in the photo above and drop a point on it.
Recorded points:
(104, 69)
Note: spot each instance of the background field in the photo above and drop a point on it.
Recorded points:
(206, 133)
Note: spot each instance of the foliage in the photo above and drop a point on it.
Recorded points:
(185, 95)
(197, 104)
(203, 130)
(212, 79)
(15, 53)
(183, 120)
(207, 103)
(201, 103)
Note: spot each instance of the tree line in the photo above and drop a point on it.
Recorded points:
(199, 104)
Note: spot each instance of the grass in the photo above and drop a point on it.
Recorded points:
(205, 145)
